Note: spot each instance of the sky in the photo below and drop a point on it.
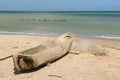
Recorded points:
(59, 5)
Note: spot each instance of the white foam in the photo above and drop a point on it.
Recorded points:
(8, 32)
(30, 33)
(55, 34)
(108, 37)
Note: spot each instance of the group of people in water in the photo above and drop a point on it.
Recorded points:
(42, 20)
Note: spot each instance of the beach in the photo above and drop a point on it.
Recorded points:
(84, 66)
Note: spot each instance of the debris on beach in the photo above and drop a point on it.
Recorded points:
(40, 55)
(87, 46)
(50, 50)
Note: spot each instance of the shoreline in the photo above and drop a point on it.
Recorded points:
(104, 42)
(54, 34)
(82, 36)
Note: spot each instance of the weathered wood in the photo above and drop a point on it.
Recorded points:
(40, 55)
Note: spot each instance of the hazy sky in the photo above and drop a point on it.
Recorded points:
(60, 5)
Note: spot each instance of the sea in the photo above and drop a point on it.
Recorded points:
(93, 24)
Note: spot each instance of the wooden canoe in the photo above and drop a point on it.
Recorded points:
(40, 55)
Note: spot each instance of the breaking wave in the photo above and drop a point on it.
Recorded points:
(56, 34)
(29, 33)
(109, 37)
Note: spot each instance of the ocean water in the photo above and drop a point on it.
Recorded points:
(96, 24)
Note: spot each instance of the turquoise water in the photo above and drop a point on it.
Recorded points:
(98, 24)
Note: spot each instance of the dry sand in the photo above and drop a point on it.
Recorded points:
(71, 67)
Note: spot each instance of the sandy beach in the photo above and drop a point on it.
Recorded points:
(84, 66)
